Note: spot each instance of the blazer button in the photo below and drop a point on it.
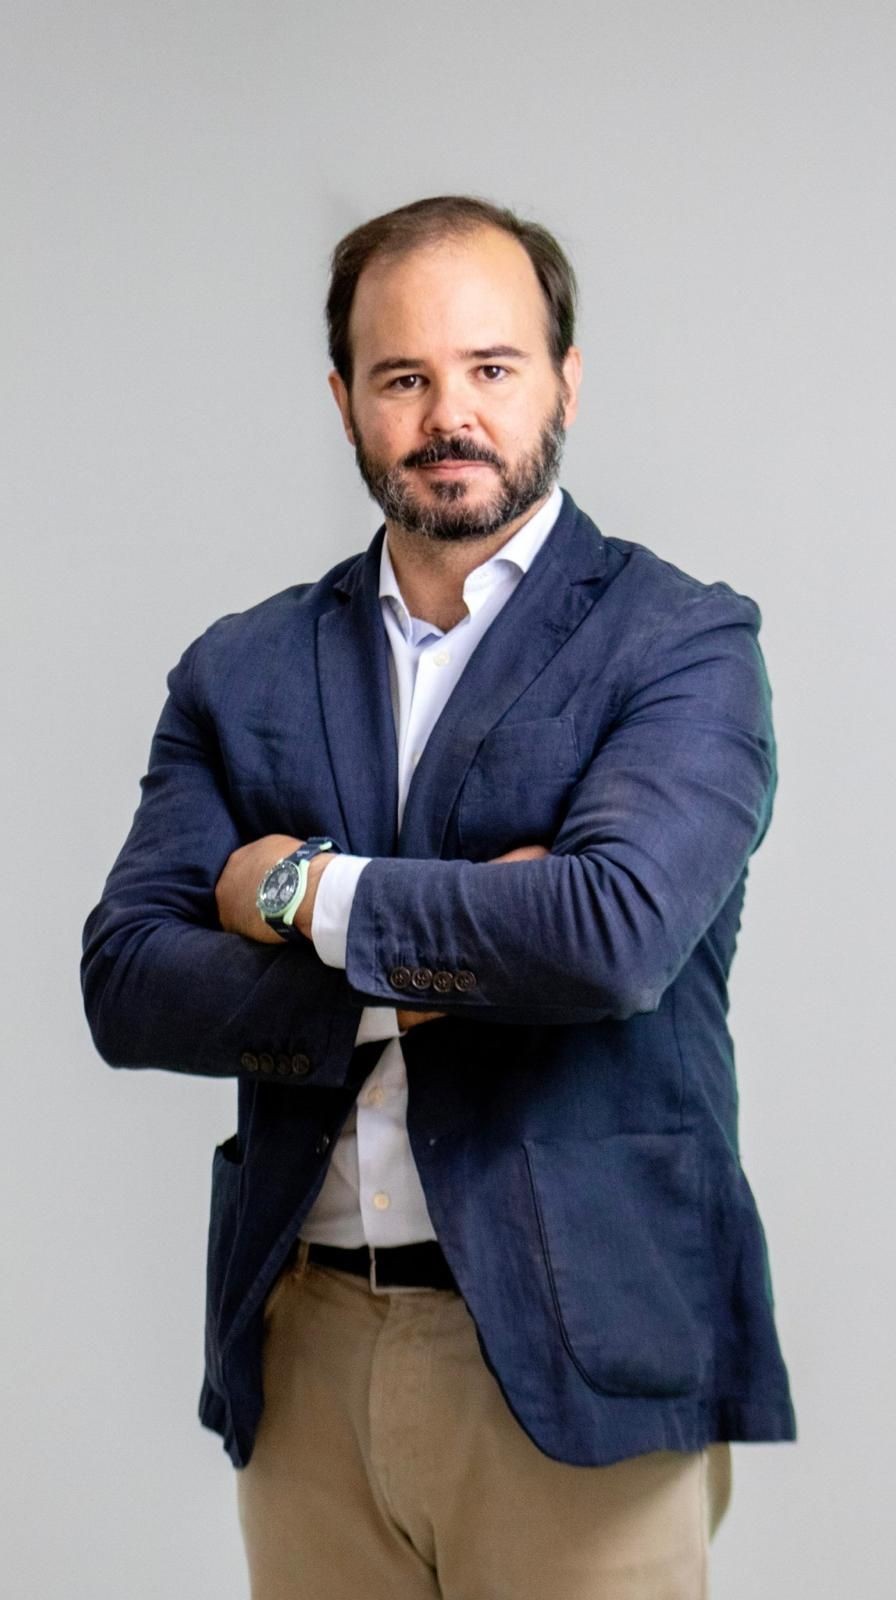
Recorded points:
(323, 1144)
(284, 1066)
(421, 978)
(266, 1062)
(400, 977)
(301, 1066)
(249, 1061)
(443, 982)
(464, 980)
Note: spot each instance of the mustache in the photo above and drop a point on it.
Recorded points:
(451, 450)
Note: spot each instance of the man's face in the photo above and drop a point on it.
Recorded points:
(456, 412)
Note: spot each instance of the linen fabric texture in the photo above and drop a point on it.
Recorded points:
(574, 1117)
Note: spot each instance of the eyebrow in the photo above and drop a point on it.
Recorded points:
(404, 363)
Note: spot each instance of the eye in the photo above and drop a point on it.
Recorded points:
(493, 369)
(404, 381)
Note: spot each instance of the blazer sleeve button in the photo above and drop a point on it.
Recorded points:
(284, 1066)
(443, 982)
(421, 978)
(266, 1062)
(464, 980)
(400, 977)
(249, 1061)
(301, 1066)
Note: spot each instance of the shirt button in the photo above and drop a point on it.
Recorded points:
(441, 658)
(381, 1201)
(375, 1096)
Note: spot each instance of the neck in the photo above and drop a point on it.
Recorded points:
(431, 573)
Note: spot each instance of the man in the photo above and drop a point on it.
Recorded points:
(443, 858)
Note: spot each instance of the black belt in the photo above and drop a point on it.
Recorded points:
(402, 1266)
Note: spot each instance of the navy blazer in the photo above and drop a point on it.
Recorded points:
(574, 1117)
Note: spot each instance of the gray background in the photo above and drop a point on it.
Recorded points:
(175, 177)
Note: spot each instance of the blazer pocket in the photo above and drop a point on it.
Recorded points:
(225, 1205)
(622, 1234)
(517, 788)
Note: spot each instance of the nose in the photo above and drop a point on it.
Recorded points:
(449, 407)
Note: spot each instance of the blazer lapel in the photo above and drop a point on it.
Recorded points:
(353, 678)
(548, 604)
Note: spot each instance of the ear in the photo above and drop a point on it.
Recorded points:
(341, 396)
(572, 377)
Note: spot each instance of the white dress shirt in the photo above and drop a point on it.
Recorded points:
(372, 1192)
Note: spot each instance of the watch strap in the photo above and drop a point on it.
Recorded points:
(283, 921)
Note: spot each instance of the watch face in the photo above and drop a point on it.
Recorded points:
(279, 887)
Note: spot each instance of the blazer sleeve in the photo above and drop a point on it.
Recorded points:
(163, 984)
(657, 834)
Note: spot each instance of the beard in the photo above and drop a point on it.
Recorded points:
(450, 518)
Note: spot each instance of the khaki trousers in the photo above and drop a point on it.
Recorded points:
(388, 1466)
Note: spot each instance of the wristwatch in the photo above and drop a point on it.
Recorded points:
(282, 889)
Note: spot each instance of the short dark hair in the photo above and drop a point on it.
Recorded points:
(428, 221)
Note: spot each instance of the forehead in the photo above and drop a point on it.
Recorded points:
(478, 289)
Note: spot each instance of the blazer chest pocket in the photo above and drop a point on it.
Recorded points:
(518, 786)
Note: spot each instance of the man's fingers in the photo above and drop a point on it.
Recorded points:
(526, 852)
(411, 1019)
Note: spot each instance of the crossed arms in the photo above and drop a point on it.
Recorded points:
(656, 836)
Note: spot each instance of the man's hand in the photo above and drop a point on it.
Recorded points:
(238, 884)
(412, 1019)
(526, 852)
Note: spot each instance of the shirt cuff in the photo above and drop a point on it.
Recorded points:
(378, 1022)
(333, 907)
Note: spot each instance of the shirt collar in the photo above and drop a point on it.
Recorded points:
(516, 556)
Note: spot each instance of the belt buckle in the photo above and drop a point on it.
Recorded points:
(394, 1288)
